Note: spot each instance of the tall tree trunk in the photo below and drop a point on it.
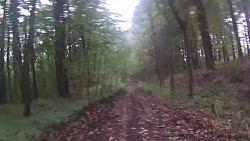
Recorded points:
(8, 66)
(3, 89)
(27, 61)
(183, 26)
(219, 54)
(183, 57)
(33, 69)
(60, 47)
(195, 57)
(88, 63)
(172, 71)
(30, 46)
(22, 69)
(232, 43)
(206, 41)
(235, 27)
(246, 11)
(98, 73)
(85, 52)
(156, 49)
(224, 49)
(25, 32)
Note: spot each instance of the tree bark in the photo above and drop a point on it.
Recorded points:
(183, 26)
(206, 41)
(3, 88)
(33, 69)
(8, 66)
(245, 4)
(235, 27)
(27, 60)
(22, 69)
(60, 47)
(232, 42)
(30, 46)
(156, 49)
(172, 71)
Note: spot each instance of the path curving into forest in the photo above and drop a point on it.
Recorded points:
(132, 116)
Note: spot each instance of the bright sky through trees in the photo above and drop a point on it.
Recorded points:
(125, 8)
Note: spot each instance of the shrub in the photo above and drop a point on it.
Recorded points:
(150, 87)
(235, 71)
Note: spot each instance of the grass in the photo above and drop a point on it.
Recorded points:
(217, 100)
(235, 71)
(45, 112)
(150, 87)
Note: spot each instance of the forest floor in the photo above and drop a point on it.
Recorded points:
(132, 115)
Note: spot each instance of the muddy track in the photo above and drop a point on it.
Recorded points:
(133, 116)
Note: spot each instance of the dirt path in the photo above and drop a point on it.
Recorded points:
(132, 116)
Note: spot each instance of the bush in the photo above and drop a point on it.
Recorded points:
(218, 94)
(235, 71)
(151, 87)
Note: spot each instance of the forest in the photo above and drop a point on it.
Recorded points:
(70, 72)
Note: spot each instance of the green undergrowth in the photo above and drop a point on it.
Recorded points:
(217, 100)
(45, 112)
(164, 92)
(235, 71)
(150, 87)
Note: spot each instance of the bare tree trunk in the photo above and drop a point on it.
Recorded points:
(22, 69)
(30, 46)
(156, 50)
(232, 43)
(3, 88)
(27, 60)
(98, 74)
(195, 57)
(60, 47)
(88, 63)
(206, 41)
(246, 11)
(235, 27)
(33, 69)
(172, 71)
(8, 66)
(247, 41)
(183, 26)
(183, 57)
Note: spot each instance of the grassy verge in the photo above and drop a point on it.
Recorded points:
(45, 112)
(217, 100)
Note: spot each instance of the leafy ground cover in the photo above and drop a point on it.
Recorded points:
(136, 115)
(217, 95)
(45, 114)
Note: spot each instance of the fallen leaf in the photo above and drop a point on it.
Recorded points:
(173, 138)
(90, 133)
(111, 138)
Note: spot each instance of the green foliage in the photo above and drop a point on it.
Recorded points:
(45, 113)
(218, 95)
(15, 127)
(47, 83)
(235, 71)
(150, 87)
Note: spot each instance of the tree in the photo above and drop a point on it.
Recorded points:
(3, 88)
(183, 23)
(26, 92)
(206, 41)
(245, 5)
(235, 28)
(60, 46)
